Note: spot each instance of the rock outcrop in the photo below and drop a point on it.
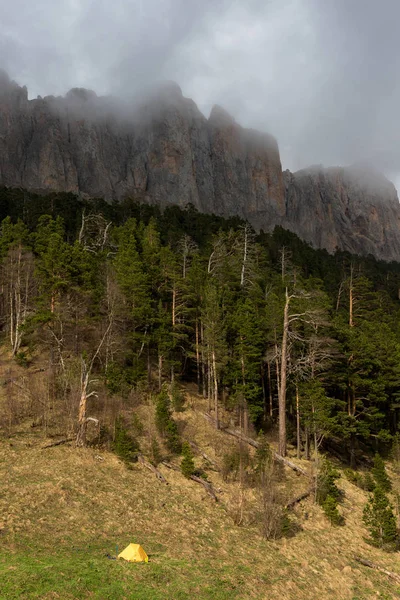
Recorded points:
(164, 151)
(354, 209)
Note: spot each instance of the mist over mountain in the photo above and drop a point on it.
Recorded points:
(161, 149)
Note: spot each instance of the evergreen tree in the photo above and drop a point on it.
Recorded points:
(165, 423)
(380, 475)
(187, 464)
(124, 445)
(378, 516)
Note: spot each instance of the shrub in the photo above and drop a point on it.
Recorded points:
(187, 464)
(329, 507)
(379, 518)
(232, 461)
(380, 475)
(274, 519)
(21, 358)
(354, 477)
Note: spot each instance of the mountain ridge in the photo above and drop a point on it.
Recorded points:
(164, 151)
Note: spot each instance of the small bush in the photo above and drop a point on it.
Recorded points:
(21, 358)
(329, 507)
(354, 477)
(380, 475)
(274, 519)
(232, 461)
(187, 464)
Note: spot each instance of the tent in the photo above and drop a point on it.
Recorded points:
(134, 553)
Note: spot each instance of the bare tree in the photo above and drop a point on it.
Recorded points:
(85, 394)
(18, 286)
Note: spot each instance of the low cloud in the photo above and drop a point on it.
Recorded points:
(321, 76)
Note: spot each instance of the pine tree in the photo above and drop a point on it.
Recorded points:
(379, 518)
(327, 492)
(380, 475)
(187, 464)
(329, 507)
(124, 445)
(165, 424)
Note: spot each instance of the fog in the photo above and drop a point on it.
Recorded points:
(323, 76)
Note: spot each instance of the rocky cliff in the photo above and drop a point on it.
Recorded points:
(354, 209)
(163, 150)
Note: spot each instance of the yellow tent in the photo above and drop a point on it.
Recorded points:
(134, 553)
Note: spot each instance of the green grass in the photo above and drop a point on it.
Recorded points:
(86, 572)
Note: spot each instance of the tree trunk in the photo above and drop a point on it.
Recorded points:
(351, 299)
(282, 391)
(209, 375)
(203, 362)
(298, 422)
(198, 358)
(160, 366)
(215, 389)
(307, 444)
(81, 436)
(270, 390)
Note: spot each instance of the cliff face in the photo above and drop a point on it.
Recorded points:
(165, 151)
(352, 208)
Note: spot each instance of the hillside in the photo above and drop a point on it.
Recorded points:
(155, 336)
(64, 509)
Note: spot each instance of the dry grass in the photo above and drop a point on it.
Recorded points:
(86, 502)
(62, 510)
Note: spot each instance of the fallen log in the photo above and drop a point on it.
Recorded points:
(302, 496)
(58, 443)
(371, 565)
(204, 455)
(152, 468)
(206, 484)
(255, 444)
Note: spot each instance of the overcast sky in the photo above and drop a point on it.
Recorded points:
(323, 76)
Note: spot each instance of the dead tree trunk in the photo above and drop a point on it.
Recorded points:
(282, 390)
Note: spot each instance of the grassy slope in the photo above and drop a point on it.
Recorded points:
(63, 510)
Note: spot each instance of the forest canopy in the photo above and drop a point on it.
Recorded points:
(264, 325)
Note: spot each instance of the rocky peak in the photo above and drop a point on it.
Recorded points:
(219, 117)
(347, 208)
(164, 151)
(10, 92)
(81, 95)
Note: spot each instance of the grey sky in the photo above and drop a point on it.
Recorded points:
(323, 76)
